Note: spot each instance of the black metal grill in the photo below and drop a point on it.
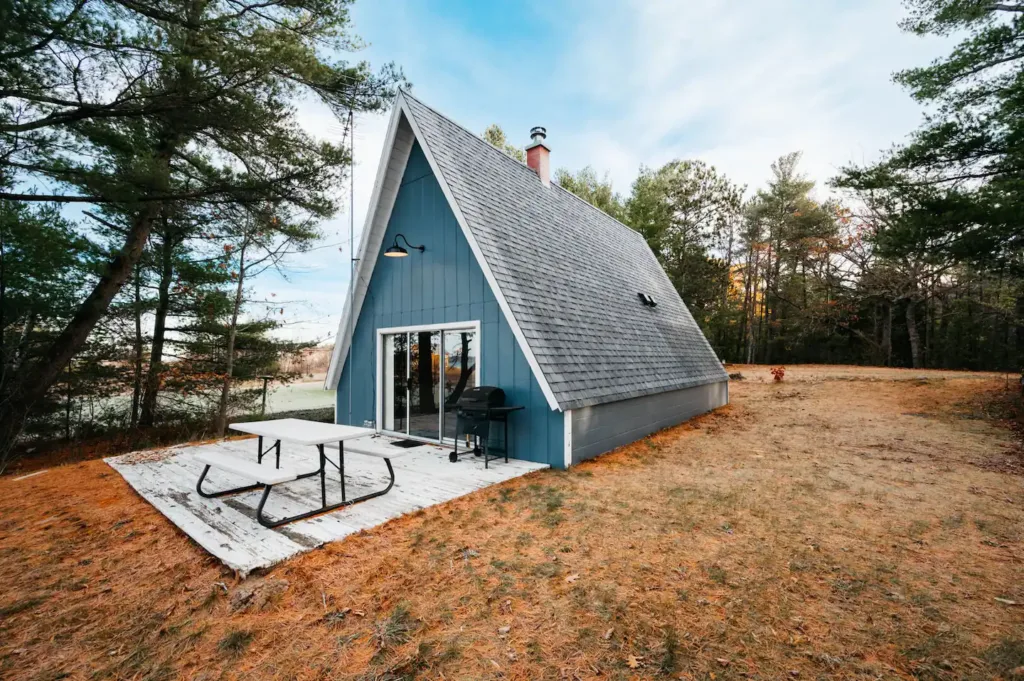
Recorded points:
(481, 398)
(476, 410)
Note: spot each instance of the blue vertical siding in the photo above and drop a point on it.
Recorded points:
(444, 284)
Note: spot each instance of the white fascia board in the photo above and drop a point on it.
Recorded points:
(567, 437)
(488, 275)
(394, 158)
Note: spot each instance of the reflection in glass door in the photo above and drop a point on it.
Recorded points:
(424, 375)
(424, 384)
(396, 388)
(459, 373)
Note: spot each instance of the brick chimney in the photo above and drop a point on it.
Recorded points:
(538, 155)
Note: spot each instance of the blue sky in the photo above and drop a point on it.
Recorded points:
(620, 84)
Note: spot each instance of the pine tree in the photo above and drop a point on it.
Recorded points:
(170, 103)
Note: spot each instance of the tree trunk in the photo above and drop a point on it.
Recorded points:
(750, 302)
(32, 383)
(3, 305)
(915, 337)
(137, 372)
(1019, 323)
(229, 363)
(942, 333)
(425, 374)
(156, 354)
(887, 334)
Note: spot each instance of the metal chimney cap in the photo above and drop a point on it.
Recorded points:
(538, 133)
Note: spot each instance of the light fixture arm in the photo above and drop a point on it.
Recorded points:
(421, 249)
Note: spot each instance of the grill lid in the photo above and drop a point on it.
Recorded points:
(482, 397)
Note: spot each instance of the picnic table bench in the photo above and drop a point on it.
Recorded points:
(296, 431)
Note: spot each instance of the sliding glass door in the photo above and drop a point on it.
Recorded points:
(395, 389)
(459, 373)
(424, 372)
(424, 379)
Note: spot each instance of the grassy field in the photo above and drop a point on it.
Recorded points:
(845, 523)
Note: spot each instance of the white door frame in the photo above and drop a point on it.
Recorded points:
(472, 325)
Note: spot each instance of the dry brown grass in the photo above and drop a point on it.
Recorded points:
(846, 523)
(311, 362)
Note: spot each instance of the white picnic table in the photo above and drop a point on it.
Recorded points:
(300, 432)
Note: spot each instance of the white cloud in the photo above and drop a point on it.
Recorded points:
(620, 84)
(315, 283)
(739, 84)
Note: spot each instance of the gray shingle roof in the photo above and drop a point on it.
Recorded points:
(570, 274)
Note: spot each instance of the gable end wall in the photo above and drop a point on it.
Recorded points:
(442, 285)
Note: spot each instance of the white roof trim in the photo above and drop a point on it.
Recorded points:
(394, 156)
(382, 202)
(567, 438)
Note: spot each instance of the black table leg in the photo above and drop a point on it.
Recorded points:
(266, 522)
(341, 467)
(222, 493)
(278, 448)
(323, 476)
(259, 450)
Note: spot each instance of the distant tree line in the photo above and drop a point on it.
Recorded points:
(919, 263)
(151, 166)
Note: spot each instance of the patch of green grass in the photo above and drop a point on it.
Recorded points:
(554, 519)
(450, 653)
(998, 528)
(212, 596)
(547, 569)
(236, 642)
(922, 598)
(918, 528)
(716, 573)
(335, 617)
(505, 566)
(191, 639)
(1006, 655)
(952, 522)
(23, 605)
(344, 640)
(848, 587)
(553, 500)
(394, 629)
(669, 662)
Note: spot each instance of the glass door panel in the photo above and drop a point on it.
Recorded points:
(424, 384)
(396, 382)
(460, 352)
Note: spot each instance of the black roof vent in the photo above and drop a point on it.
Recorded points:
(647, 300)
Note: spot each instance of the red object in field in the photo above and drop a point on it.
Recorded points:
(779, 373)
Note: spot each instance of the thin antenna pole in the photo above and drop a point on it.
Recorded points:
(352, 255)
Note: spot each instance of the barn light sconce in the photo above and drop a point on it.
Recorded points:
(396, 251)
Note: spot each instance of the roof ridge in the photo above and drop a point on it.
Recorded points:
(466, 130)
(490, 146)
